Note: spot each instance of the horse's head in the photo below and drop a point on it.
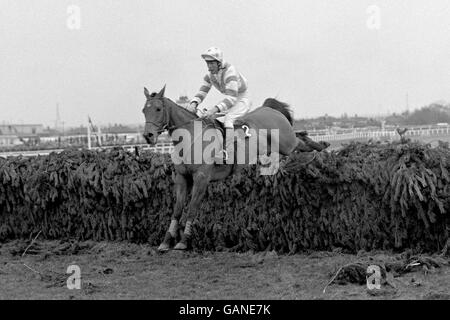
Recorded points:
(156, 115)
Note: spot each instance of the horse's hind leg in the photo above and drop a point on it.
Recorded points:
(181, 190)
(302, 146)
(201, 181)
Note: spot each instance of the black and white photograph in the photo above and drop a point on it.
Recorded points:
(224, 156)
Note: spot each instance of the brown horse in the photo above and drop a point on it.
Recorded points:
(163, 114)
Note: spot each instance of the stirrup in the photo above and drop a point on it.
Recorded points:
(223, 159)
(225, 152)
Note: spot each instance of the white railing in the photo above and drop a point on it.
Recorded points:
(159, 147)
(379, 134)
(167, 147)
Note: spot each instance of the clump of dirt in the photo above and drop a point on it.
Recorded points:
(90, 288)
(390, 267)
(351, 273)
(54, 279)
(425, 263)
(20, 247)
(71, 247)
(436, 296)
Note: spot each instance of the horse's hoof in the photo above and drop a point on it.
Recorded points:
(163, 247)
(167, 243)
(180, 246)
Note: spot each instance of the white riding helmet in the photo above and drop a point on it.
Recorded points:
(213, 54)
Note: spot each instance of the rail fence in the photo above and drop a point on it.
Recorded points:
(378, 134)
(167, 147)
(159, 147)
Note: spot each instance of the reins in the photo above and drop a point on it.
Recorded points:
(166, 120)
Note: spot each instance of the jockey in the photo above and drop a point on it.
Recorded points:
(225, 78)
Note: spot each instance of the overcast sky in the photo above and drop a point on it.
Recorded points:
(319, 56)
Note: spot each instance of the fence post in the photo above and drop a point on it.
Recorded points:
(89, 136)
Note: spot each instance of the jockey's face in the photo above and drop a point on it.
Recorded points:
(213, 66)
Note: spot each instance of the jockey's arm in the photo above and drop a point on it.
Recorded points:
(203, 92)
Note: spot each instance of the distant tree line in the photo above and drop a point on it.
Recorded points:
(327, 121)
(116, 128)
(427, 115)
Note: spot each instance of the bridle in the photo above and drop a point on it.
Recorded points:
(165, 119)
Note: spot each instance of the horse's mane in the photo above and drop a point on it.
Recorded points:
(282, 107)
(183, 108)
(153, 94)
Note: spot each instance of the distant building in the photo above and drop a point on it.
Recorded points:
(9, 140)
(21, 129)
(15, 134)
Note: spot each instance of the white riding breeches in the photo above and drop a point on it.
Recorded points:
(239, 109)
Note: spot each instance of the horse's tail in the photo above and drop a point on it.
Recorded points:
(282, 107)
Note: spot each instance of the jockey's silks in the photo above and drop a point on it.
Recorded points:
(228, 81)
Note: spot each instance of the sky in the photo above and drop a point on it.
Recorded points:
(322, 57)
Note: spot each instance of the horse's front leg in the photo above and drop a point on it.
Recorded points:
(201, 181)
(181, 189)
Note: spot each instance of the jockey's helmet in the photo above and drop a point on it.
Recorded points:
(213, 54)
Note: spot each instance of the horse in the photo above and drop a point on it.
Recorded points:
(162, 114)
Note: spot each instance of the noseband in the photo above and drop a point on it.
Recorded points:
(165, 120)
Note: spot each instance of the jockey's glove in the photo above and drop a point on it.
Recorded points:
(210, 112)
(193, 106)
